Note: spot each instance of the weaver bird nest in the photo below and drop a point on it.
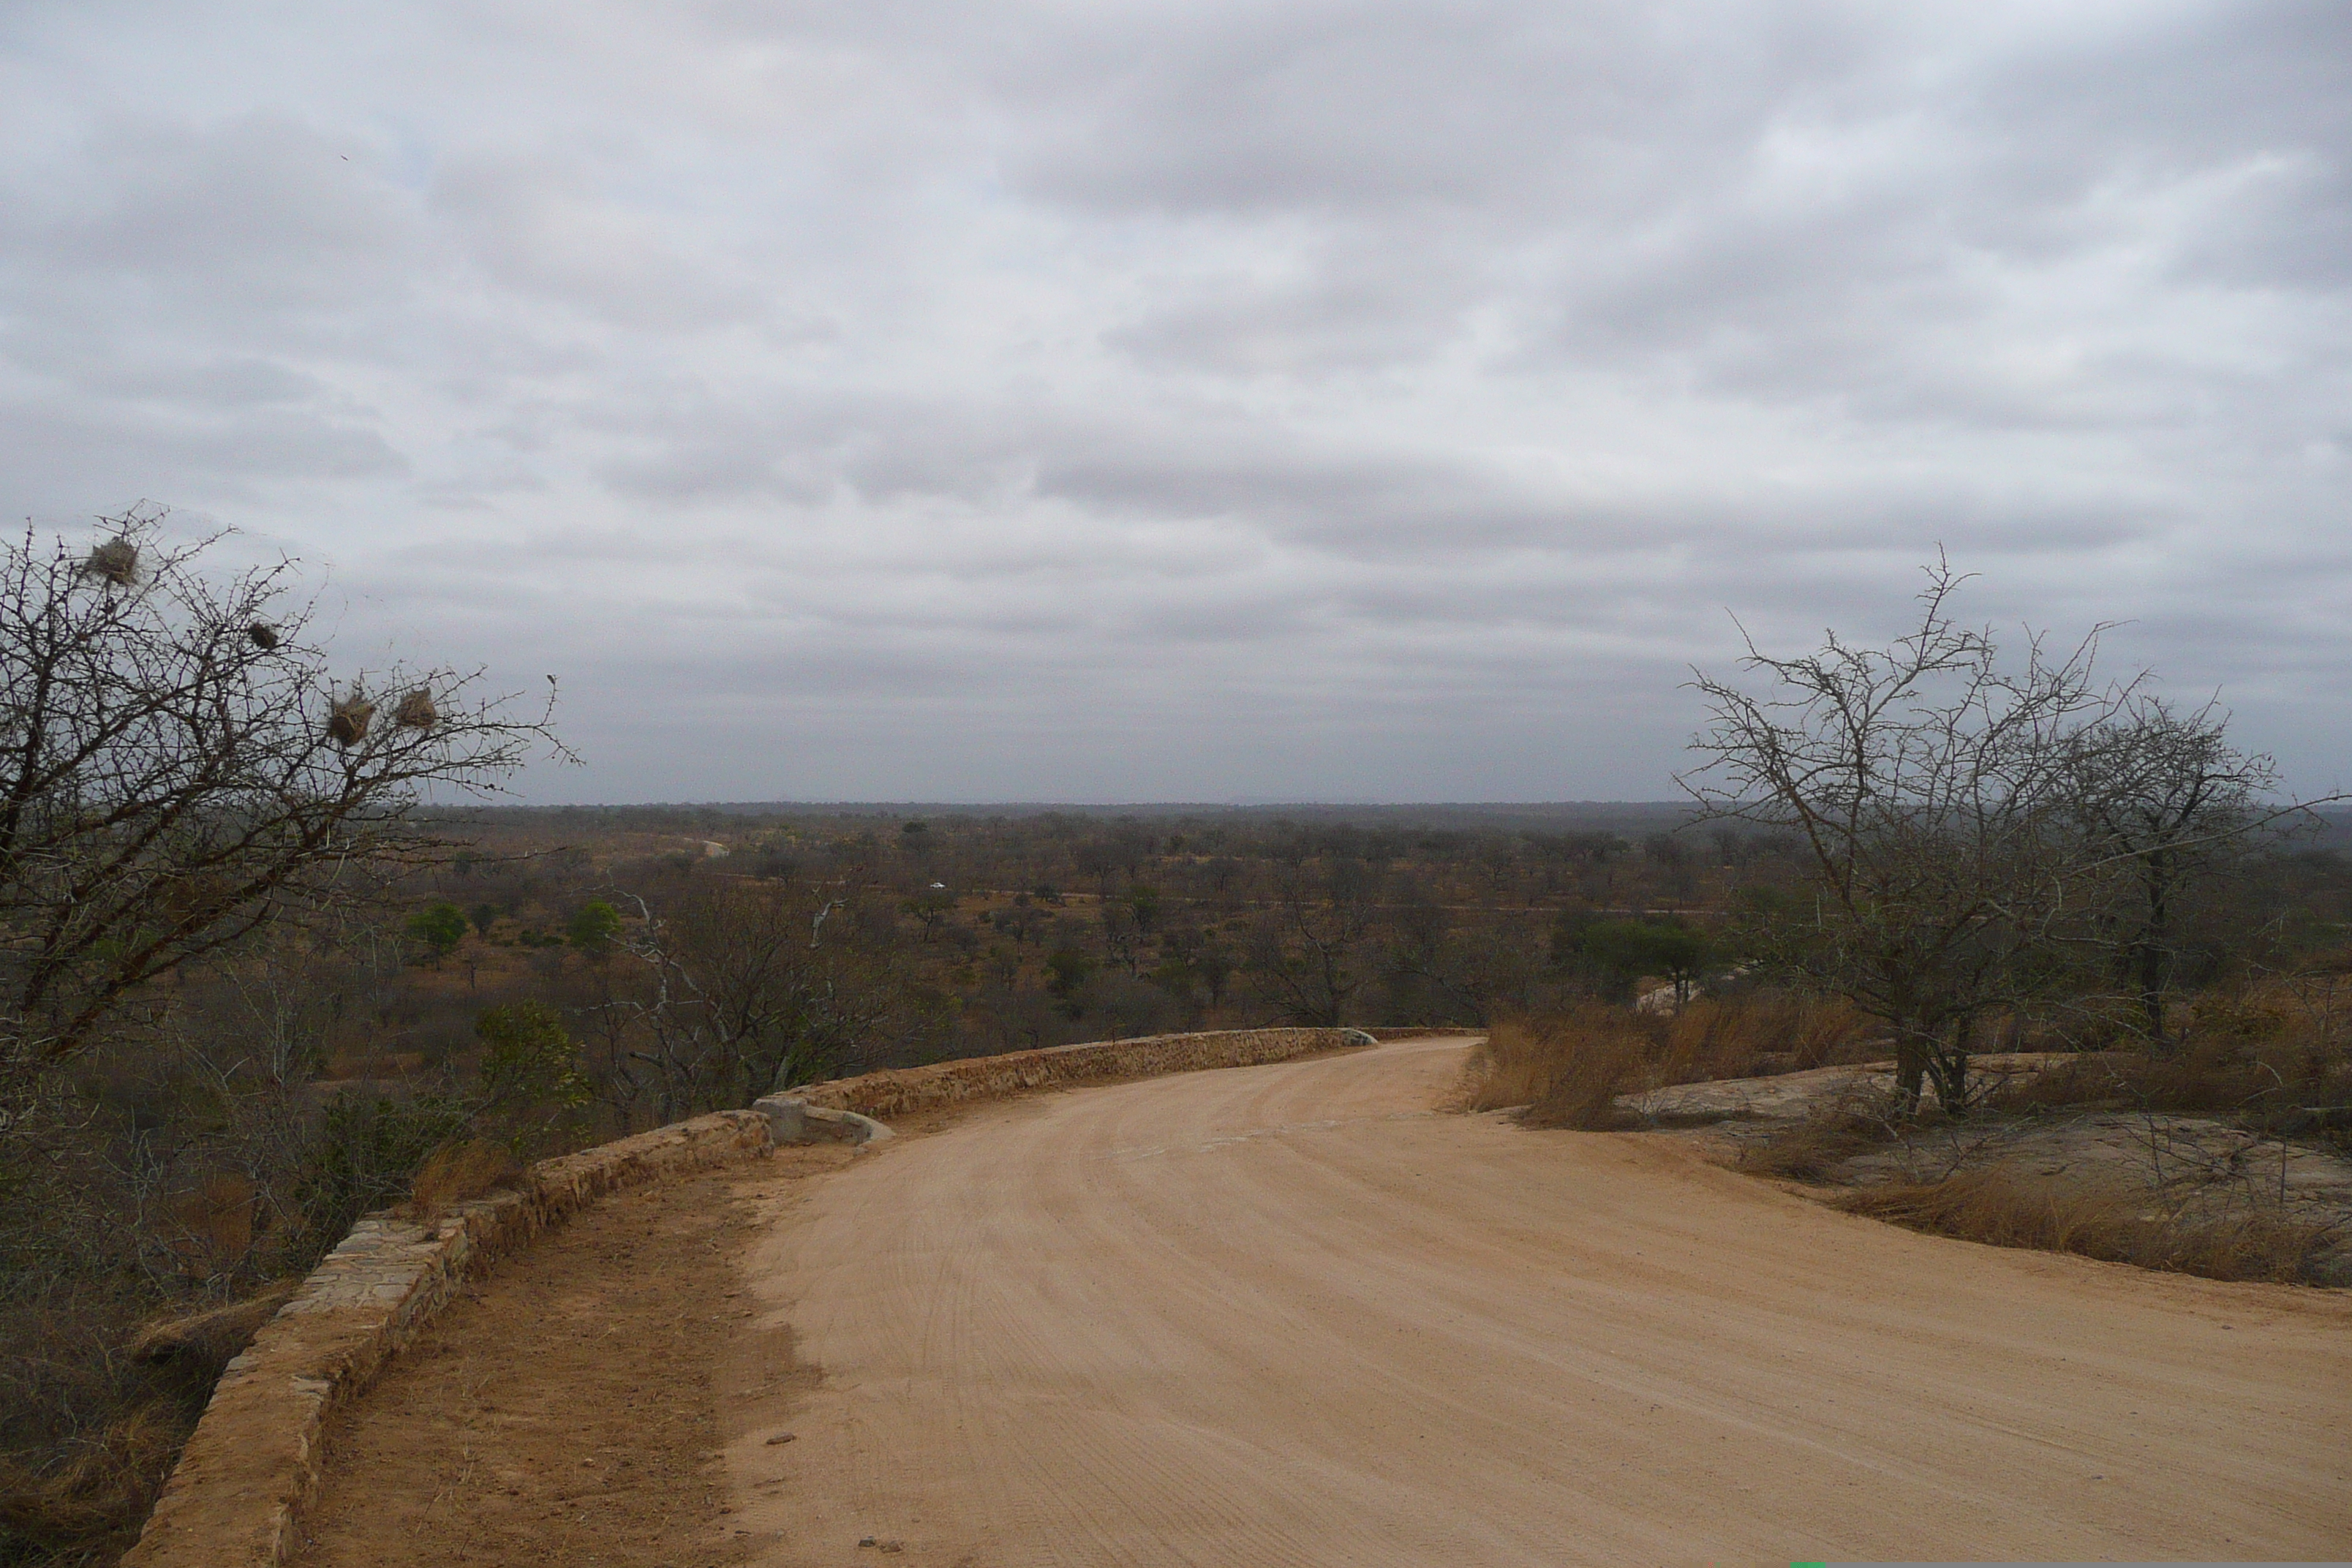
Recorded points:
(115, 562)
(347, 723)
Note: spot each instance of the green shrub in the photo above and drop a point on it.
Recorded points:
(532, 1082)
(367, 1150)
(439, 927)
(596, 927)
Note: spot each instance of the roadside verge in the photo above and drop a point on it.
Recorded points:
(254, 1462)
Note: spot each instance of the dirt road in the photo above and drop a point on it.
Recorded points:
(1287, 1315)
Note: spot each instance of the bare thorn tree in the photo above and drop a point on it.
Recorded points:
(2163, 799)
(742, 989)
(1928, 783)
(173, 775)
(1309, 952)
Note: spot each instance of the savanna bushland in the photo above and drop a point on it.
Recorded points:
(256, 986)
(541, 979)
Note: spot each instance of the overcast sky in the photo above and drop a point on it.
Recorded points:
(1202, 400)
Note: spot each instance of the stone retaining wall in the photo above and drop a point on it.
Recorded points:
(253, 1463)
(235, 1498)
(884, 1095)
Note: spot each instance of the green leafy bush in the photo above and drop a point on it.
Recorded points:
(531, 1077)
(596, 928)
(367, 1150)
(439, 927)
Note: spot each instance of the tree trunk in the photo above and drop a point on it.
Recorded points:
(2151, 954)
(1910, 1073)
(2151, 996)
(1947, 1068)
(1950, 1072)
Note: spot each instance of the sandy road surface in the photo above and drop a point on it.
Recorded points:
(1285, 1315)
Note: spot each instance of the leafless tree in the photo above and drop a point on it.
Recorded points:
(741, 989)
(2164, 800)
(1309, 949)
(1929, 784)
(180, 767)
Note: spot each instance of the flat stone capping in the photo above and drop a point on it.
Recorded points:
(794, 1120)
(884, 1095)
(254, 1462)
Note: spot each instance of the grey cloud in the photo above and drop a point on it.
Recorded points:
(1257, 111)
(78, 460)
(1357, 302)
(256, 216)
(541, 227)
(1369, 399)
(235, 383)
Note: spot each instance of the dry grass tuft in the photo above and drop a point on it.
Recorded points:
(2001, 1209)
(1759, 1033)
(1809, 1148)
(205, 1341)
(1569, 1065)
(2289, 1080)
(457, 1172)
(91, 1506)
(1567, 1069)
(215, 1222)
(1504, 1070)
(1586, 1079)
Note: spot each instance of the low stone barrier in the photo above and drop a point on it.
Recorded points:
(253, 1463)
(884, 1095)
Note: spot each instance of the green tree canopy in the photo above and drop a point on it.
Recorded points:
(1629, 949)
(1069, 968)
(530, 1067)
(596, 928)
(439, 926)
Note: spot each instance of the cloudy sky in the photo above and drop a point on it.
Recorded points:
(1200, 400)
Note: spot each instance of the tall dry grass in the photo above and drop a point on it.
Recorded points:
(1569, 1067)
(2001, 1208)
(2276, 1058)
(456, 1171)
(89, 1508)
(1810, 1148)
(82, 1500)
(1755, 1034)
(97, 1400)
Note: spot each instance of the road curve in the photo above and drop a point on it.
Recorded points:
(1290, 1315)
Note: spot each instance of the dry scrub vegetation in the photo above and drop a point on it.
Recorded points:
(457, 1172)
(2223, 1157)
(2001, 1208)
(1575, 1068)
(139, 1401)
